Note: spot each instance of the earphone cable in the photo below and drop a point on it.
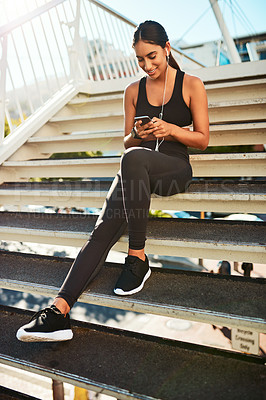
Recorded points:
(161, 113)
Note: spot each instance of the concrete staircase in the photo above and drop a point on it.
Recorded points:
(130, 365)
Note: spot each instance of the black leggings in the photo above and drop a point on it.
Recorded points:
(143, 171)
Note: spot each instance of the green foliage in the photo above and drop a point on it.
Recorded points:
(15, 122)
(158, 214)
(7, 130)
(224, 149)
(79, 154)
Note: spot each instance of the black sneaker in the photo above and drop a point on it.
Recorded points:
(48, 325)
(133, 277)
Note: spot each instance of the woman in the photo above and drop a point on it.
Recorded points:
(155, 161)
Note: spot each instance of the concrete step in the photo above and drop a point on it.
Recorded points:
(94, 121)
(174, 293)
(231, 196)
(134, 366)
(237, 110)
(238, 134)
(70, 118)
(232, 72)
(210, 239)
(221, 112)
(236, 90)
(229, 165)
(83, 98)
(204, 165)
(254, 87)
(250, 87)
(106, 141)
(93, 104)
(112, 141)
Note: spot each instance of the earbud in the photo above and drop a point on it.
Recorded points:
(167, 56)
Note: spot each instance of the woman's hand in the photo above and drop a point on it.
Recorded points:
(161, 128)
(144, 130)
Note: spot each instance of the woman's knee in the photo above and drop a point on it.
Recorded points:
(133, 157)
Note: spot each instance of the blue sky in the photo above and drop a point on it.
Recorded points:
(180, 16)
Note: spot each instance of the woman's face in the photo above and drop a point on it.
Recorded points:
(151, 58)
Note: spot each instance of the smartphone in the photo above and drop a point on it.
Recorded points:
(144, 118)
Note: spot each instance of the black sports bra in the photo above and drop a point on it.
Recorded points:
(175, 110)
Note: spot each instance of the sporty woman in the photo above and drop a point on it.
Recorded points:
(155, 161)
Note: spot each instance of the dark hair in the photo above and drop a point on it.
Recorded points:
(153, 32)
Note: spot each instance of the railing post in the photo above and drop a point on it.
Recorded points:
(76, 48)
(3, 68)
(234, 55)
(58, 390)
(247, 268)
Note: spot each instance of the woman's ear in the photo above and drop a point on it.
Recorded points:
(167, 48)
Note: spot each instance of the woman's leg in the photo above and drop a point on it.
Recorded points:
(109, 227)
(143, 172)
(52, 323)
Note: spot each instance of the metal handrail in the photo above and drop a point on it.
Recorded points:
(133, 24)
(28, 17)
(73, 41)
(113, 12)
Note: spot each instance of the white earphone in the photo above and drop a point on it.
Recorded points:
(167, 56)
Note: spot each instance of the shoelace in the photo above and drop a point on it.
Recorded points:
(41, 313)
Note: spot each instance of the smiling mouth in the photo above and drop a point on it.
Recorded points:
(152, 71)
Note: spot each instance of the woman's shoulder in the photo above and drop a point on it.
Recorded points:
(193, 87)
(133, 87)
(193, 82)
(132, 91)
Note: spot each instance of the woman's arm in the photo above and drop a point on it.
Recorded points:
(130, 100)
(198, 104)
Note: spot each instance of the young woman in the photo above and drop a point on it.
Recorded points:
(155, 161)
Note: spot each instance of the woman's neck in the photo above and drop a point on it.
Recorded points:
(161, 79)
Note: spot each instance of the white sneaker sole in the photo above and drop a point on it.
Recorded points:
(57, 336)
(121, 292)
